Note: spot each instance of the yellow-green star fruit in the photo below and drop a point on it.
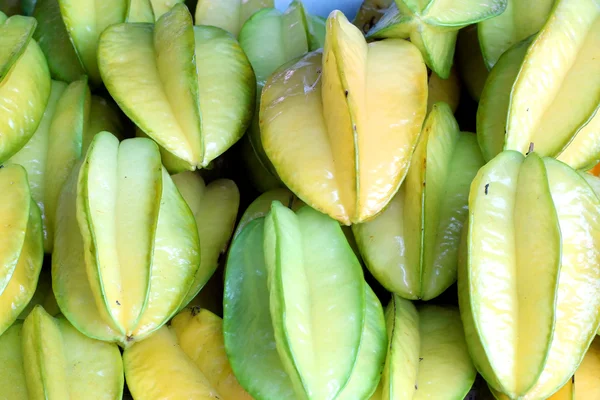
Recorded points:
(527, 268)
(427, 356)
(411, 248)
(126, 248)
(46, 358)
(24, 83)
(545, 90)
(189, 88)
(22, 251)
(585, 384)
(215, 208)
(340, 125)
(284, 270)
(432, 25)
(71, 119)
(229, 15)
(519, 20)
(69, 31)
(187, 359)
(270, 39)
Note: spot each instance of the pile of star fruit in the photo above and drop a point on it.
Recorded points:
(216, 199)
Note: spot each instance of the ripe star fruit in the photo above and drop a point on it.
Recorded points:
(68, 34)
(299, 319)
(126, 250)
(411, 248)
(184, 360)
(71, 119)
(427, 356)
(189, 88)
(47, 358)
(446, 90)
(229, 15)
(585, 384)
(433, 26)
(22, 252)
(69, 31)
(158, 7)
(24, 83)
(531, 245)
(519, 20)
(340, 125)
(545, 90)
(261, 206)
(215, 207)
(270, 39)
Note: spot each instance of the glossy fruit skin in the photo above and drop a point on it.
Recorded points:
(261, 206)
(202, 91)
(250, 341)
(69, 32)
(54, 40)
(188, 358)
(584, 384)
(270, 39)
(427, 353)
(517, 110)
(24, 83)
(586, 377)
(21, 254)
(215, 208)
(71, 119)
(266, 340)
(433, 26)
(412, 246)
(518, 21)
(47, 358)
(547, 208)
(324, 117)
(265, 246)
(157, 238)
(229, 15)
